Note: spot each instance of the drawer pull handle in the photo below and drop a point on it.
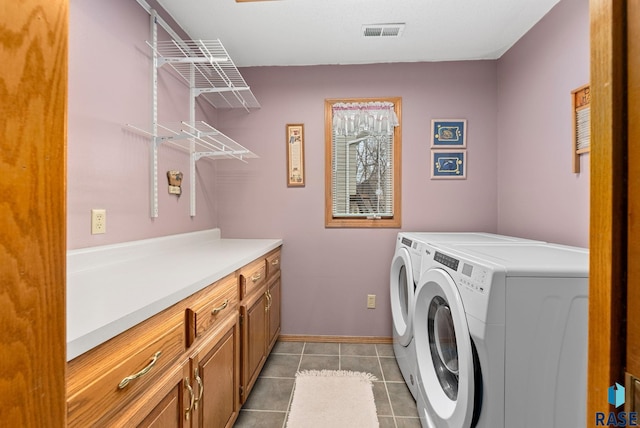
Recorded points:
(269, 300)
(275, 262)
(201, 390)
(224, 305)
(256, 277)
(187, 411)
(124, 382)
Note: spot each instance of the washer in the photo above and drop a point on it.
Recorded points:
(501, 335)
(406, 268)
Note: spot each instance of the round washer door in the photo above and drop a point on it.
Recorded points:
(443, 347)
(402, 295)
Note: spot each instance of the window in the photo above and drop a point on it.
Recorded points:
(362, 161)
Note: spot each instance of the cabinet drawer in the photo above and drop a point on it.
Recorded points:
(212, 307)
(273, 263)
(252, 277)
(97, 385)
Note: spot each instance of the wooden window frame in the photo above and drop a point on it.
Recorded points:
(362, 222)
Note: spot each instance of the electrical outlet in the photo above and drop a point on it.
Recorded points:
(371, 301)
(98, 221)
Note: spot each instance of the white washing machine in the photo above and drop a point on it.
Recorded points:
(406, 268)
(501, 336)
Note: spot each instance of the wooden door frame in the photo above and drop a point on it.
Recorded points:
(632, 363)
(33, 105)
(38, 240)
(608, 203)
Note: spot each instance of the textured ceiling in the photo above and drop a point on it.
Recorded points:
(311, 32)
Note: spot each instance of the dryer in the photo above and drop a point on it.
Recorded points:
(405, 272)
(501, 336)
(403, 279)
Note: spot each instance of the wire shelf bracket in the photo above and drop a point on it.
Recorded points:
(205, 65)
(209, 72)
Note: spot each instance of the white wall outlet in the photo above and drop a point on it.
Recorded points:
(98, 221)
(371, 301)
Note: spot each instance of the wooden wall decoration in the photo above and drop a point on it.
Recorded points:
(581, 108)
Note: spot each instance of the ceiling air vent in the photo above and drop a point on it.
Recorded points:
(382, 30)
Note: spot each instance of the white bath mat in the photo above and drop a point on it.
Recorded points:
(333, 399)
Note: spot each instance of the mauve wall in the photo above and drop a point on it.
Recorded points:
(327, 273)
(538, 195)
(519, 180)
(108, 164)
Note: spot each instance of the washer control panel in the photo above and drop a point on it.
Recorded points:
(415, 249)
(407, 242)
(448, 261)
(473, 277)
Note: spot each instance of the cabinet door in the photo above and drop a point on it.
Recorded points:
(274, 313)
(167, 414)
(254, 341)
(216, 372)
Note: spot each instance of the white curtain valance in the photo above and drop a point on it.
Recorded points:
(358, 119)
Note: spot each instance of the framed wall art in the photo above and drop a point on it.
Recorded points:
(449, 133)
(581, 108)
(448, 164)
(295, 155)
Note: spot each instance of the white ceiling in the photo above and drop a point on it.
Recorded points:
(311, 32)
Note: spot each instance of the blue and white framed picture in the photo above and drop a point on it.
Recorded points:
(448, 164)
(449, 133)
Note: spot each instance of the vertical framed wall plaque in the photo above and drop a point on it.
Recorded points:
(581, 116)
(295, 155)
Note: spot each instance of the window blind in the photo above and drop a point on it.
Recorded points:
(362, 177)
(362, 162)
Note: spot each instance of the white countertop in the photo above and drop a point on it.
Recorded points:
(114, 287)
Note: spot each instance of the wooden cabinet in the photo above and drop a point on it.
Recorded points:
(203, 390)
(108, 378)
(252, 278)
(167, 413)
(273, 263)
(273, 306)
(186, 366)
(273, 296)
(154, 374)
(260, 316)
(215, 367)
(253, 315)
(210, 307)
(163, 405)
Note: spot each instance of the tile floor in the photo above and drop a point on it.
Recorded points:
(269, 401)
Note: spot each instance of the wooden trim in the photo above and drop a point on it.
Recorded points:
(344, 222)
(362, 222)
(633, 113)
(33, 78)
(608, 207)
(334, 339)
